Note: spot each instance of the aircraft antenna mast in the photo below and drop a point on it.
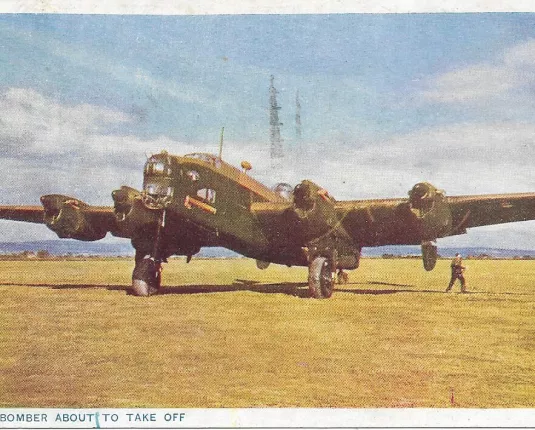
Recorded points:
(297, 116)
(274, 128)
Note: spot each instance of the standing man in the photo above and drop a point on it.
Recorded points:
(457, 270)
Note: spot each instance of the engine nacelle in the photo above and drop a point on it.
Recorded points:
(130, 213)
(428, 204)
(348, 261)
(314, 208)
(67, 217)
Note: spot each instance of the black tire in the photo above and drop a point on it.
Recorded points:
(320, 280)
(145, 278)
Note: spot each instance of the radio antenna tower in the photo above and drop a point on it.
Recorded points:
(297, 116)
(274, 128)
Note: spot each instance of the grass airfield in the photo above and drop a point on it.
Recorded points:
(225, 334)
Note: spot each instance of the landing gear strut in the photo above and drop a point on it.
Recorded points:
(429, 255)
(343, 277)
(147, 275)
(320, 278)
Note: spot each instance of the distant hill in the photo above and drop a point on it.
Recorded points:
(75, 247)
(68, 246)
(447, 252)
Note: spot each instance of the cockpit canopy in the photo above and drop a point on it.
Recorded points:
(158, 165)
(207, 158)
(284, 190)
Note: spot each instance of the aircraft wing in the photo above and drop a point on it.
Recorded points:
(368, 222)
(476, 211)
(273, 216)
(103, 215)
(69, 218)
(268, 211)
(376, 222)
(389, 221)
(23, 213)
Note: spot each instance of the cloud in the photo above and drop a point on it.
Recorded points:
(471, 84)
(32, 124)
(511, 72)
(521, 56)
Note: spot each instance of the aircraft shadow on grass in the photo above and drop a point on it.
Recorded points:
(296, 289)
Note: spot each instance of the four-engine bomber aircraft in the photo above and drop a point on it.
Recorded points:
(198, 200)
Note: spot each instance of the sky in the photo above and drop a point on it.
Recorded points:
(387, 100)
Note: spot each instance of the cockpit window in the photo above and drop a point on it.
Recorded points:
(207, 158)
(200, 156)
(193, 175)
(156, 166)
(207, 194)
(157, 193)
(159, 190)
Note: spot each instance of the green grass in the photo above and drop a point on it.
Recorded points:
(71, 337)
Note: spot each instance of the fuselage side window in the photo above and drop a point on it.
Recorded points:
(193, 175)
(207, 195)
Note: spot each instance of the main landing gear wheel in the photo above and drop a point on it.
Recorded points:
(146, 277)
(320, 280)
